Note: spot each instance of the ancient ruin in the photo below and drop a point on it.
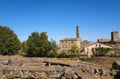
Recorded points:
(52, 68)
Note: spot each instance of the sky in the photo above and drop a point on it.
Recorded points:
(59, 18)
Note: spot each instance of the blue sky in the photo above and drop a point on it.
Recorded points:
(96, 18)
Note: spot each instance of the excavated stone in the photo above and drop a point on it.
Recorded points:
(34, 68)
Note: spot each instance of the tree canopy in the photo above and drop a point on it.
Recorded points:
(9, 42)
(75, 49)
(24, 46)
(38, 44)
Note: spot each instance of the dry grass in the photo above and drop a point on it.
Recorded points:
(38, 59)
(104, 61)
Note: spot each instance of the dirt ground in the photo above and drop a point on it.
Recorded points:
(21, 63)
(104, 61)
(16, 58)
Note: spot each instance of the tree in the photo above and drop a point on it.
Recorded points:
(33, 44)
(9, 42)
(38, 44)
(44, 44)
(24, 46)
(53, 45)
(75, 50)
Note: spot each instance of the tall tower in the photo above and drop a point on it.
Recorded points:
(77, 32)
(78, 39)
(114, 36)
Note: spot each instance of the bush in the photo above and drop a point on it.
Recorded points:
(62, 55)
(52, 54)
(101, 51)
(111, 55)
(100, 54)
(84, 59)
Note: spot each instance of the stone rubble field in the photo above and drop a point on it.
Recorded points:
(55, 68)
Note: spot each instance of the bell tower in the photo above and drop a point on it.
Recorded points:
(77, 32)
(78, 39)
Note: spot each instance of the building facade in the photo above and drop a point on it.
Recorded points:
(67, 43)
(88, 50)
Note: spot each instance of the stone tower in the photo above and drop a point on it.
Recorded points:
(114, 36)
(77, 32)
(78, 39)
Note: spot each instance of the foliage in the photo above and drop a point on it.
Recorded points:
(101, 51)
(112, 55)
(116, 52)
(24, 46)
(62, 55)
(52, 54)
(39, 46)
(84, 59)
(75, 50)
(9, 42)
(53, 45)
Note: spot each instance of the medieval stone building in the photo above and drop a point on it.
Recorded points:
(113, 42)
(67, 43)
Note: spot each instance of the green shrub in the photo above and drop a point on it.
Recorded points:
(52, 54)
(111, 55)
(62, 55)
(83, 59)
